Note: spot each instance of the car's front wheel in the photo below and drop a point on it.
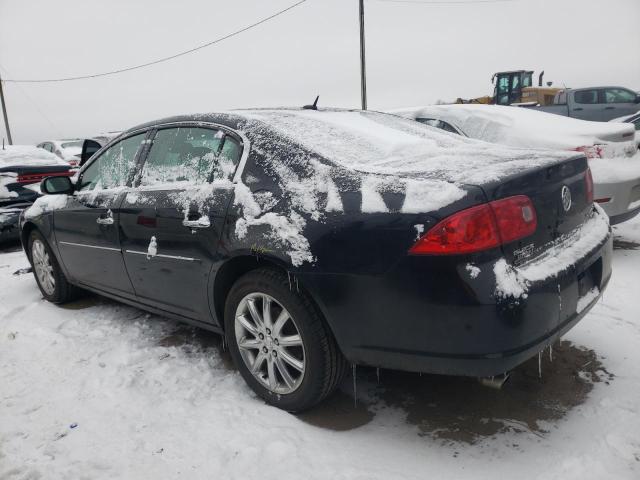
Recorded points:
(49, 276)
(280, 343)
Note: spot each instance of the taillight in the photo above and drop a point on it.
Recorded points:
(516, 217)
(591, 151)
(37, 177)
(480, 228)
(588, 180)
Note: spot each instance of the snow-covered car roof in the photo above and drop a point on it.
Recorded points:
(378, 143)
(27, 155)
(522, 127)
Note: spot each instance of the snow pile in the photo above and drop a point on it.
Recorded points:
(27, 155)
(528, 128)
(46, 203)
(561, 255)
(474, 271)
(509, 282)
(614, 170)
(5, 179)
(152, 249)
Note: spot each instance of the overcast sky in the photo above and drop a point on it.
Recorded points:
(416, 54)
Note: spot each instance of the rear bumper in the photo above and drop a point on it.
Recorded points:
(436, 315)
(624, 199)
(9, 223)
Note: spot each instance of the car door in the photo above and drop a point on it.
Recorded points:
(171, 223)
(86, 230)
(586, 105)
(619, 102)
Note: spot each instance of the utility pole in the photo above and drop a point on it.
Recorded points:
(4, 113)
(363, 69)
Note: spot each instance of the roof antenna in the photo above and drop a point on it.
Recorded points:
(314, 106)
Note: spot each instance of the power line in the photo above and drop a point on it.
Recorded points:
(33, 102)
(445, 3)
(163, 59)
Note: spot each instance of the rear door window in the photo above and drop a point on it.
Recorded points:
(618, 95)
(586, 96)
(190, 154)
(113, 167)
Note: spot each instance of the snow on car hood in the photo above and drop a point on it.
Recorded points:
(523, 127)
(27, 155)
(378, 143)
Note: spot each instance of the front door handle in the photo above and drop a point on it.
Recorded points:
(106, 220)
(609, 108)
(202, 222)
(577, 109)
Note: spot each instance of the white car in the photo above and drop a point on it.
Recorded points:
(610, 147)
(633, 120)
(68, 150)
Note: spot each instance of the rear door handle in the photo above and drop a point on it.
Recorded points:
(202, 222)
(577, 109)
(106, 220)
(609, 108)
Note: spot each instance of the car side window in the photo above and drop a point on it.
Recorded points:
(586, 96)
(619, 95)
(429, 121)
(190, 154)
(447, 127)
(112, 168)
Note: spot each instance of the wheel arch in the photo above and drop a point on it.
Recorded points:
(238, 266)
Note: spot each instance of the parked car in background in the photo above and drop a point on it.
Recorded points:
(315, 239)
(599, 104)
(634, 120)
(610, 147)
(92, 145)
(68, 150)
(22, 168)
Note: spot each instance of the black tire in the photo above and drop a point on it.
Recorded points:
(324, 363)
(62, 291)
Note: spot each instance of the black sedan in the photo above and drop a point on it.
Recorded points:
(22, 168)
(317, 239)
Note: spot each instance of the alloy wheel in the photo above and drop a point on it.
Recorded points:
(270, 343)
(43, 267)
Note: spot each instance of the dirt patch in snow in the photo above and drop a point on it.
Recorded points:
(458, 409)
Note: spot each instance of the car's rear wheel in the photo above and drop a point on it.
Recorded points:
(279, 342)
(49, 276)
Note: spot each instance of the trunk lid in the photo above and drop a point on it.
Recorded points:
(545, 186)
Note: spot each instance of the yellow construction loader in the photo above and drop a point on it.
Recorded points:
(516, 88)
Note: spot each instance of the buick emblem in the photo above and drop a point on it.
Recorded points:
(566, 198)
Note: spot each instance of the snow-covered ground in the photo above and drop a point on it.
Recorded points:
(99, 390)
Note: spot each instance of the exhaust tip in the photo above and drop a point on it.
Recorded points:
(494, 382)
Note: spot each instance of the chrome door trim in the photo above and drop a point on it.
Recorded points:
(173, 257)
(89, 246)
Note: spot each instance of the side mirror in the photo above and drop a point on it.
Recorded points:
(637, 100)
(56, 185)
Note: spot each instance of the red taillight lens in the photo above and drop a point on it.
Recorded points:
(37, 177)
(479, 228)
(591, 151)
(588, 180)
(516, 217)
